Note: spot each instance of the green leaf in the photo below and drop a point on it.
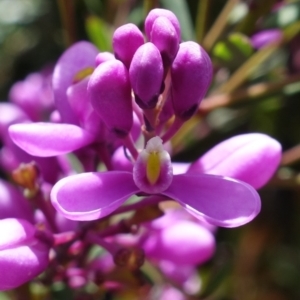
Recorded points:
(242, 43)
(233, 51)
(99, 33)
(222, 51)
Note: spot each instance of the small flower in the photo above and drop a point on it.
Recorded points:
(221, 201)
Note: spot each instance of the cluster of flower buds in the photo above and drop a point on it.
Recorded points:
(105, 104)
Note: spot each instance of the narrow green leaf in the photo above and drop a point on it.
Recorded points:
(99, 33)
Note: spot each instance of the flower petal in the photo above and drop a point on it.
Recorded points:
(91, 196)
(13, 204)
(221, 201)
(252, 158)
(76, 58)
(183, 242)
(22, 255)
(48, 139)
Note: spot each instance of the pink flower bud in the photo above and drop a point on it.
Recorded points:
(102, 57)
(126, 40)
(165, 38)
(22, 254)
(110, 94)
(146, 75)
(191, 74)
(159, 12)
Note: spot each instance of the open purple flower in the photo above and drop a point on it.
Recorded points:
(221, 201)
(50, 139)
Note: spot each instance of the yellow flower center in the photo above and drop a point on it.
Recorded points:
(82, 74)
(153, 167)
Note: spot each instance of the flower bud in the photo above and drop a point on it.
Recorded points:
(22, 255)
(191, 75)
(183, 242)
(110, 94)
(146, 75)
(165, 38)
(126, 40)
(159, 12)
(102, 57)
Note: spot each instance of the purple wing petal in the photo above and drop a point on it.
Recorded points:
(252, 158)
(48, 139)
(22, 255)
(13, 204)
(91, 196)
(221, 201)
(76, 58)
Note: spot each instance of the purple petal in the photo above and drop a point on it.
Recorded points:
(129, 35)
(146, 75)
(183, 242)
(110, 93)
(252, 158)
(22, 256)
(186, 275)
(159, 12)
(10, 114)
(75, 59)
(266, 37)
(48, 139)
(221, 201)
(91, 196)
(13, 204)
(103, 57)
(164, 37)
(191, 74)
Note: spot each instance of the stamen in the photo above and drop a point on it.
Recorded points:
(82, 74)
(153, 167)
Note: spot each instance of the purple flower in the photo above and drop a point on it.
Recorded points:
(23, 254)
(34, 95)
(91, 196)
(11, 156)
(182, 243)
(252, 158)
(13, 204)
(82, 125)
(266, 37)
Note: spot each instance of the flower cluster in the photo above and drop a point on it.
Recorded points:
(106, 105)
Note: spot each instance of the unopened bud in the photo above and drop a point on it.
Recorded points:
(146, 75)
(191, 75)
(126, 40)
